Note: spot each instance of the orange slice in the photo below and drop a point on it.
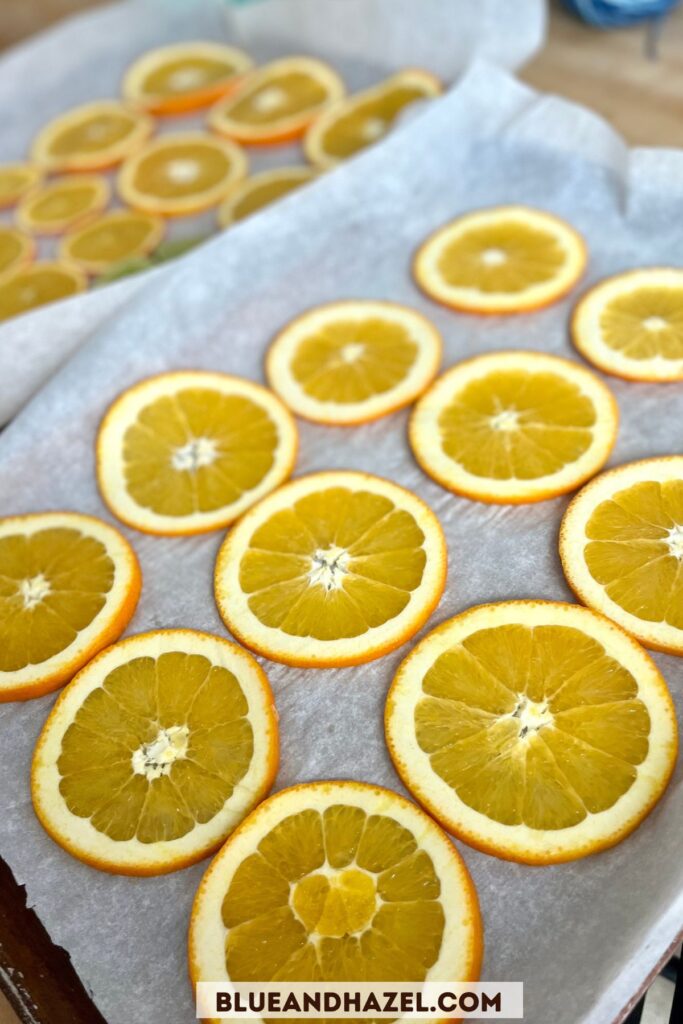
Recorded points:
(532, 730)
(69, 585)
(16, 249)
(180, 174)
(38, 284)
(621, 546)
(506, 259)
(63, 204)
(514, 427)
(190, 451)
(16, 180)
(336, 881)
(333, 569)
(631, 325)
(112, 238)
(155, 752)
(351, 362)
(183, 77)
(91, 137)
(355, 122)
(277, 102)
(260, 190)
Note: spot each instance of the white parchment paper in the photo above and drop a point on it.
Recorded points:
(582, 936)
(84, 59)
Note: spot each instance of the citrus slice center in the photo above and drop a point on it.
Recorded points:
(335, 904)
(635, 550)
(181, 169)
(93, 133)
(506, 257)
(534, 726)
(645, 323)
(335, 564)
(294, 93)
(53, 583)
(157, 757)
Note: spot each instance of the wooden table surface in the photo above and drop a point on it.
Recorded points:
(632, 77)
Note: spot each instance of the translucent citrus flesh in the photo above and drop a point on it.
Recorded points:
(14, 181)
(111, 239)
(62, 202)
(197, 450)
(186, 74)
(507, 257)
(534, 726)
(181, 169)
(267, 192)
(635, 550)
(157, 748)
(52, 585)
(332, 896)
(92, 134)
(335, 564)
(34, 286)
(368, 121)
(645, 324)
(352, 360)
(277, 98)
(11, 248)
(514, 424)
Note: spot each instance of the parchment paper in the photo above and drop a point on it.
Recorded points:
(583, 936)
(85, 57)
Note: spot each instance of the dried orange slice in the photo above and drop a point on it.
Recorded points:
(16, 249)
(631, 325)
(38, 284)
(351, 362)
(69, 584)
(16, 180)
(621, 546)
(112, 238)
(91, 137)
(63, 203)
(184, 76)
(277, 102)
(182, 173)
(506, 259)
(333, 569)
(155, 752)
(260, 190)
(357, 121)
(533, 730)
(514, 427)
(336, 881)
(190, 451)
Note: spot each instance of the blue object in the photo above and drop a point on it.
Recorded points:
(613, 13)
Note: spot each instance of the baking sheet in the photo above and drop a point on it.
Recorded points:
(84, 59)
(581, 936)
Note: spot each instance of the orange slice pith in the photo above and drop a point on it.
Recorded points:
(260, 190)
(621, 545)
(184, 76)
(631, 325)
(112, 238)
(514, 427)
(276, 102)
(16, 250)
(357, 121)
(38, 284)
(336, 881)
(16, 180)
(334, 568)
(505, 259)
(180, 174)
(91, 137)
(69, 585)
(190, 451)
(156, 750)
(533, 730)
(354, 361)
(63, 203)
